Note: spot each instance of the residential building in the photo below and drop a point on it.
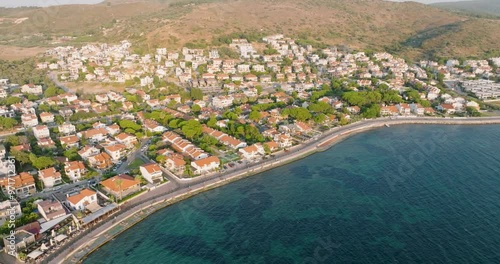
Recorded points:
(74, 170)
(417, 109)
(175, 165)
(82, 199)
(205, 165)
(50, 177)
(101, 161)
(251, 152)
(21, 240)
(126, 139)
(222, 101)
(29, 120)
(23, 184)
(116, 152)
(88, 151)
(67, 128)
(70, 141)
(46, 117)
(9, 209)
(283, 140)
(151, 172)
(390, 110)
(51, 209)
(121, 186)
(41, 132)
(94, 135)
(31, 89)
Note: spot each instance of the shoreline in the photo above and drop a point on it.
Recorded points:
(209, 182)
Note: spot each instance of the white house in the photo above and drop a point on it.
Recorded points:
(46, 117)
(117, 151)
(74, 170)
(88, 151)
(205, 165)
(417, 109)
(96, 134)
(69, 141)
(31, 89)
(126, 139)
(82, 199)
(222, 101)
(67, 128)
(151, 172)
(252, 152)
(29, 120)
(41, 132)
(50, 177)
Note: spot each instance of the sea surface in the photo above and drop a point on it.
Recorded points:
(404, 194)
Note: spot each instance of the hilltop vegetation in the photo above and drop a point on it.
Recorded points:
(408, 29)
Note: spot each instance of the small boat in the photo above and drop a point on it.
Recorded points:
(387, 125)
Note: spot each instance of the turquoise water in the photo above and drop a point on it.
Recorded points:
(405, 194)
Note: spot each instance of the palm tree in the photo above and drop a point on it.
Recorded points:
(119, 182)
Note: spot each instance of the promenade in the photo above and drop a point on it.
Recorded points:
(137, 209)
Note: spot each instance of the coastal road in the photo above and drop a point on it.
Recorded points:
(204, 182)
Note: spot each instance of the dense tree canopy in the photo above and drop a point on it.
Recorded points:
(298, 113)
(191, 128)
(41, 162)
(7, 122)
(124, 124)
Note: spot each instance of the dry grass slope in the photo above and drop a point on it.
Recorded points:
(408, 28)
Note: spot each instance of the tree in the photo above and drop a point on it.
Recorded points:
(72, 154)
(267, 150)
(52, 91)
(319, 118)
(354, 98)
(161, 159)
(41, 162)
(413, 95)
(21, 156)
(124, 124)
(471, 111)
(230, 115)
(119, 183)
(12, 140)
(196, 94)
(7, 122)
(44, 107)
(298, 113)
(254, 116)
(212, 122)
(259, 89)
(11, 100)
(59, 119)
(195, 108)
(191, 128)
(174, 123)
(372, 111)
(320, 107)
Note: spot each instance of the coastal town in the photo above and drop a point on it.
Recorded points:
(72, 158)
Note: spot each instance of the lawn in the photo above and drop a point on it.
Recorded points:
(135, 164)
